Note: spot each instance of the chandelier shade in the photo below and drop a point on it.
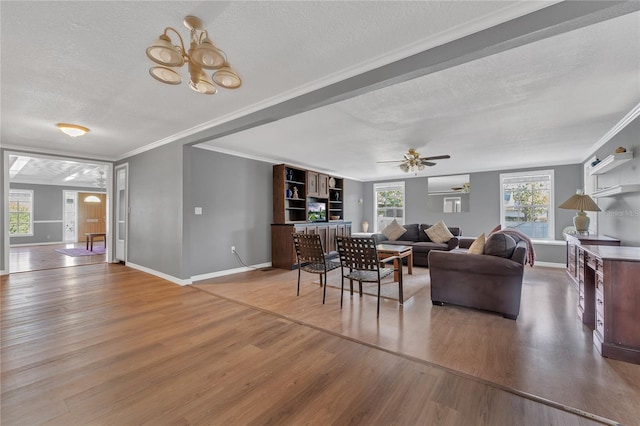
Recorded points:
(202, 55)
(201, 83)
(164, 53)
(165, 75)
(226, 77)
(207, 55)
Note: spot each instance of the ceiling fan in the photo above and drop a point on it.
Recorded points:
(412, 162)
(466, 187)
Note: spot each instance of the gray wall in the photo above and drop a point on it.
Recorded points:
(236, 198)
(47, 205)
(484, 209)
(155, 238)
(620, 216)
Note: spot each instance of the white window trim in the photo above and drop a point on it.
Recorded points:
(551, 231)
(32, 196)
(390, 186)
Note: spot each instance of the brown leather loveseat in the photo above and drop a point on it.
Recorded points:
(491, 281)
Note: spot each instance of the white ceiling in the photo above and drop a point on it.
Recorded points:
(539, 103)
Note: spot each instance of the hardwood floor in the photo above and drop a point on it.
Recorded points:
(106, 344)
(39, 257)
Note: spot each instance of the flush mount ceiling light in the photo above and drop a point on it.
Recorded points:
(202, 55)
(72, 130)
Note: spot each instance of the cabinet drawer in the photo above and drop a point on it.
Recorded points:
(600, 303)
(599, 281)
(600, 325)
(581, 298)
(598, 263)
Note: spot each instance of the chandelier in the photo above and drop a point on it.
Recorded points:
(202, 55)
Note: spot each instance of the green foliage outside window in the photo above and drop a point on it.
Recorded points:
(531, 201)
(20, 213)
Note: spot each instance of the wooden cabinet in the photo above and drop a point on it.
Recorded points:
(611, 302)
(574, 241)
(297, 191)
(323, 186)
(283, 254)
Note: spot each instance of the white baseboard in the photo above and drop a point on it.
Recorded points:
(162, 275)
(550, 264)
(4, 272)
(200, 277)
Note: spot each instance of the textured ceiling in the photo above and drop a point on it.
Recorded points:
(84, 62)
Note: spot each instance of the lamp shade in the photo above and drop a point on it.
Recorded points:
(580, 201)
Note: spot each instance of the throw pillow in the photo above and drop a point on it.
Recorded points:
(496, 229)
(394, 230)
(439, 233)
(477, 247)
(499, 244)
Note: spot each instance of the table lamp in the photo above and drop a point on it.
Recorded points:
(582, 202)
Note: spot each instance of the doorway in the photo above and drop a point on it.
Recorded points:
(62, 210)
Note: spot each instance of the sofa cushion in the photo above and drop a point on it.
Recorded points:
(477, 247)
(394, 230)
(439, 233)
(499, 244)
(412, 233)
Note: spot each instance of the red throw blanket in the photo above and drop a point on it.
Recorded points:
(531, 253)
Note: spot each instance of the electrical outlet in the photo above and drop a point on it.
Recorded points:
(233, 249)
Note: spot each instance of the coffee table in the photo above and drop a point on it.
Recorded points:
(388, 250)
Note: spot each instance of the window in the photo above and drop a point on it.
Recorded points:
(20, 212)
(389, 204)
(526, 203)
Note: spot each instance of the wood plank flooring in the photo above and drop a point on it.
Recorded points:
(39, 257)
(105, 344)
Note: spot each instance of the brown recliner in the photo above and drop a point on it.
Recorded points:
(479, 281)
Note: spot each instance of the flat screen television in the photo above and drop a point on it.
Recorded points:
(317, 211)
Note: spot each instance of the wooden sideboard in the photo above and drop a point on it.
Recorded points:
(576, 240)
(609, 301)
(283, 254)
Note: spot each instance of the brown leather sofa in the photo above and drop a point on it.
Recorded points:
(417, 238)
(481, 281)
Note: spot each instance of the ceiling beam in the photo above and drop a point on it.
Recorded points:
(544, 23)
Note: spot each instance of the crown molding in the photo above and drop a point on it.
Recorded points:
(626, 120)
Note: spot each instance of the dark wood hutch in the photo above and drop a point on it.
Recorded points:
(299, 196)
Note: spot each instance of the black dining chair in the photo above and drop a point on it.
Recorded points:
(312, 258)
(360, 262)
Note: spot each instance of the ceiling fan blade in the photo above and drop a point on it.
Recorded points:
(390, 161)
(437, 157)
(428, 163)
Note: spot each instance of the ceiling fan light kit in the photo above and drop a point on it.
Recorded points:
(202, 55)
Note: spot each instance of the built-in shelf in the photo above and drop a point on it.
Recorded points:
(610, 163)
(617, 189)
